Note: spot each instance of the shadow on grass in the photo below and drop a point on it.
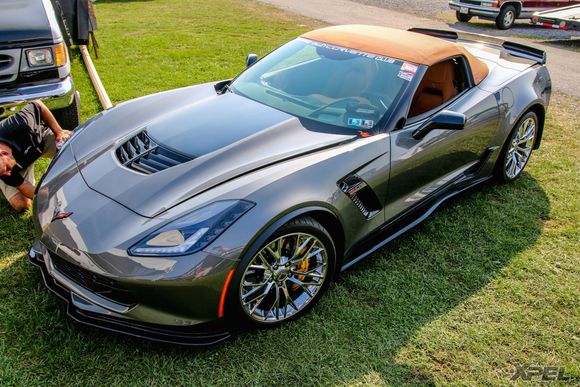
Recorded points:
(352, 336)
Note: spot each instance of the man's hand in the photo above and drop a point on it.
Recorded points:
(59, 133)
(62, 135)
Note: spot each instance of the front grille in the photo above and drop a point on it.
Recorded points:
(9, 63)
(5, 61)
(475, 2)
(98, 284)
(142, 154)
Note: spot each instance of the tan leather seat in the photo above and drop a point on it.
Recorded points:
(436, 88)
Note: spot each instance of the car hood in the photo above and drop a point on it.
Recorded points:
(24, 21)
(226, 135)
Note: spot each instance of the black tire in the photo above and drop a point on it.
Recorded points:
(506, 18)
(500, 171)
(69, 117)
(463, 18)
(235, 313)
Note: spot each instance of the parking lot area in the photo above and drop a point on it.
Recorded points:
(439, 9)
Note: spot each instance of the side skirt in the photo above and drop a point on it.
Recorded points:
(405, 222)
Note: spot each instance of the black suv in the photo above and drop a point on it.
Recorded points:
(34, 61)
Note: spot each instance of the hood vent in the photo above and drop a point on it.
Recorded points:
(143, 155)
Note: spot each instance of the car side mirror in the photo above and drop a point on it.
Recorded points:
(251, 59)
(445, 119)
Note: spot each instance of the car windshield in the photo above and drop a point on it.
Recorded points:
(326, 83)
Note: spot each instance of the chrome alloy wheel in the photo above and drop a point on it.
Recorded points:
(509, 18)
(520, 148)
(283, 277)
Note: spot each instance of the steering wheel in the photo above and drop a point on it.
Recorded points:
(317, 112)
(378, 99)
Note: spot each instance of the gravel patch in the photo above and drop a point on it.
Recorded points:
(425, 8)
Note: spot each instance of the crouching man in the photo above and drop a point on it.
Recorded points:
(23, 139)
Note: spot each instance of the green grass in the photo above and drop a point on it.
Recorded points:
(490, 280)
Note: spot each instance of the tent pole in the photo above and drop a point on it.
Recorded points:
(98, 85)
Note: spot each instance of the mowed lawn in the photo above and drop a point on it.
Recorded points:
(489, 281)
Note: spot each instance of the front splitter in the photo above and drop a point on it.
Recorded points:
(204, 335)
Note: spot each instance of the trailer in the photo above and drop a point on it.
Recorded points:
(567, 18)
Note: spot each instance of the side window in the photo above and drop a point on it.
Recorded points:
(441, 83)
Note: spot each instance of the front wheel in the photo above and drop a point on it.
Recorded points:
(462, 17)
(517, 149)
(506, 17)
(286, 276)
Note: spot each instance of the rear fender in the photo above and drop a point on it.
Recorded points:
(528, 92)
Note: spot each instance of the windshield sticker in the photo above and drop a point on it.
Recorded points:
(350, 51)
(360, 123)
(408, 71)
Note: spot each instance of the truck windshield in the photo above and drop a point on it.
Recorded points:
(326, 83)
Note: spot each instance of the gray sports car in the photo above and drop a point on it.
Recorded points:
(185, 215)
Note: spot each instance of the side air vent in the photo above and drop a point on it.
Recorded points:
(361, 195)
(142, 154)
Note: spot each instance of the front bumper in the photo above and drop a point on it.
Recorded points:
(83, 310)
(56, 95)
(475, 10)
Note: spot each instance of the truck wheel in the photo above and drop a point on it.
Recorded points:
(506, 17)
(462, 17)
(69, 117)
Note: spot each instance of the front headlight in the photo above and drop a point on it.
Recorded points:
(47, 56)
(193, 231)
(39, 57)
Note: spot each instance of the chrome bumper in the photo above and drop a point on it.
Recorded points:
(55, 95)
(475, 10)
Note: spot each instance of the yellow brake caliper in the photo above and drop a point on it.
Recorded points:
(303, 267)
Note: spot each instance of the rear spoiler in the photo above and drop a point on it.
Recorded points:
(515, 49)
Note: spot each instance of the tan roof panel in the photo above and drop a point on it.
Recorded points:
(399, 44)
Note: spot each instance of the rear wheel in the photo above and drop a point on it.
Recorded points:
(462, 17)
(287, 275)
(506, 17)
(517, 149)
(68, 117)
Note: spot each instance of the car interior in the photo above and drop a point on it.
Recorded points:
(442, 82)
(338, 90)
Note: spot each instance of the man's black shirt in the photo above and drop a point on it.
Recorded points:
(23, 132)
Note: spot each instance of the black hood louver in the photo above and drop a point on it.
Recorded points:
(361, 195)
(142, 154)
